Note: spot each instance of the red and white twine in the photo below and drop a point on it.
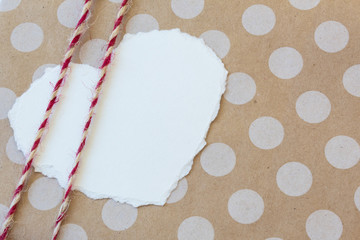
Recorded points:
(107, 59)
(77, 33)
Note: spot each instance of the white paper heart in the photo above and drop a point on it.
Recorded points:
(162, 91)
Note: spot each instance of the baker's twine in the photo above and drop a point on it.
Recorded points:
(107, 59)
(77, 33)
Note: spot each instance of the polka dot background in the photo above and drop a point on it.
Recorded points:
(258, 19)
(72, 232)
(92, 52)
(282, 157)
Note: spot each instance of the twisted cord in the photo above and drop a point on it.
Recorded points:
(107, 59)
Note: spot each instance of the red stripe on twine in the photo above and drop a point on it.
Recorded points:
(25, 173)
(82, 144)
(67, 61)
(43, 125)
(27, 168)
(73, 171)
(106, 61)
(4, 233)
(51, 104)
(87, 125)
(100, 82)
(17, 190)
(68, 192)
(84, 16)
(36, 144)
(94, 102)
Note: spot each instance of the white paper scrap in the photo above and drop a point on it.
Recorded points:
(162, 91)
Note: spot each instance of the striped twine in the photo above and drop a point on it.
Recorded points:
(107, 59)
(77, 33)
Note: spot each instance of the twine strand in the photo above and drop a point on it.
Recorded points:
(107, 59)
(77, 33)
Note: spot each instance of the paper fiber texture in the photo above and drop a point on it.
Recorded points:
(284, 144)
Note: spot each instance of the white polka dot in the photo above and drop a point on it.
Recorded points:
(357, 198)
(69, 11)
(92, 52)
(351, 80)
(294, 179)
(324, 225)
(196, 228)
(218, 159)
(285, 63)
(7, 99)
(118, 216)
(266, 133)
(240, 88)
(3, 212)
(72, 232)
(141, 23)
(187, 9)
(313, 107)
(342, 152)
(258, 19)
(45, 193)
(39, 72)
(179, 191)
(13, 153)
(218, 41)
(8, 5)
(246, 206)
(26, 37)
(304, 4)
(331, 36)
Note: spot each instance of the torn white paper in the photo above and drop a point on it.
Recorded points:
(162, 91)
